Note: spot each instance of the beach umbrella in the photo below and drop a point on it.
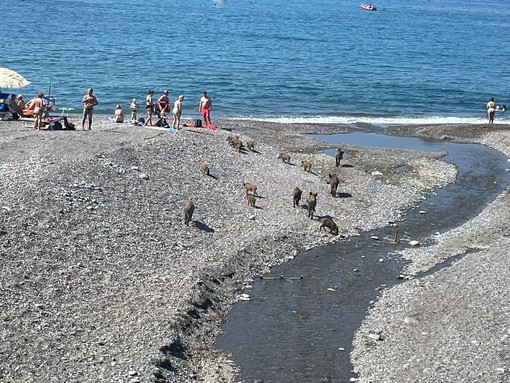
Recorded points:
(12, 80)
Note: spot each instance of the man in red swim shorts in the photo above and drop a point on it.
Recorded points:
(204, 107)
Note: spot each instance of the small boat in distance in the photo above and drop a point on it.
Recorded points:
(368, 7)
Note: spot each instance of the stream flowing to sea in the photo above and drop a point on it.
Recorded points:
(301, 330)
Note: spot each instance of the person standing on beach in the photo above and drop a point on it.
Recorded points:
(163, 104)
(177, 111)
(38, 105)
(89, 101)
(491, 110)
(134, 109)
(149, 105)
(204, 107)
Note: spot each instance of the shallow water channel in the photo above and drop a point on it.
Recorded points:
(301, 330)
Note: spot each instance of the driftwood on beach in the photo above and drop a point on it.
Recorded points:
(98, 265)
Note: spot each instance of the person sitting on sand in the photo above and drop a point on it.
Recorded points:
(162, 122)
(491, 109)
(14, 108)
(21, 102)
(134, 109)
(119, 115)
(177, 111)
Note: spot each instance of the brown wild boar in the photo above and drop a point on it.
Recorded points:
(296, 197)
(306, 165)
(333, 181)
(250, 198)
(188, 210)
(204, 168)
(330, 224)
(250, 188)
(338, 157)
(311, 202)
(284, 157)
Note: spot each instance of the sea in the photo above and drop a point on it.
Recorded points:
(310, 61)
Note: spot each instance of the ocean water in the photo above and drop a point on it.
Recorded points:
(411, 61)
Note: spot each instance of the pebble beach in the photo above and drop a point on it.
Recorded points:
(101, 280)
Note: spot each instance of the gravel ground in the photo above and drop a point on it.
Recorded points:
(101, 281)
(453, 325)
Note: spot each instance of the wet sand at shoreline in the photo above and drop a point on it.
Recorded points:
(102, 281)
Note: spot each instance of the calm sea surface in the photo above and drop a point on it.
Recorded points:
(323, 60)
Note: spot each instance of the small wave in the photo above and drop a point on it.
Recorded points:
(375, 120)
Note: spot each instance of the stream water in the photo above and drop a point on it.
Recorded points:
(301, 330)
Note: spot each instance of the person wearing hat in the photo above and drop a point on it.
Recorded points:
(134, 109)
(177, 111)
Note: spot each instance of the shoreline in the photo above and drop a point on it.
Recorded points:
(170, 286)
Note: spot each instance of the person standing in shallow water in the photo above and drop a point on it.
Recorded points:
(89, 101)
(204, 107)
(491, 110)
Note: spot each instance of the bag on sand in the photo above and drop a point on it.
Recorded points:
(198, 123)
(55, 125)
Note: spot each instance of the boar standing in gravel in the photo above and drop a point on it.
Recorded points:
(296, 197)
(284, 157)
(311, 202)
(204, 168)
(188, 210)
(250, 188)
(306, 165)
(250, 198)
(330, 224)
(333, 182)
(250, 145)
(338, 157)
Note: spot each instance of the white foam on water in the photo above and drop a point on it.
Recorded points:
(376, 120)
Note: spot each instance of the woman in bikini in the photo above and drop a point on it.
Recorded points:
(149, 105)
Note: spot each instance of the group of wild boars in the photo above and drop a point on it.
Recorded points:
(311, 201)
(338, 157)
(296, 194)
(284, 157)
(188, 210)
(235, 142)
(333, 182)
(250, 188)
(327, 222)
(306, 165)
